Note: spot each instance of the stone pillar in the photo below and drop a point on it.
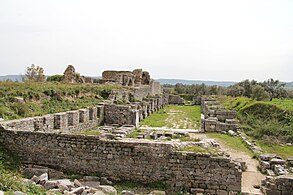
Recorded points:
(83, 115)
(73, 117)
(60, 121)
(93, 113)
(134, 118)
(100, 114)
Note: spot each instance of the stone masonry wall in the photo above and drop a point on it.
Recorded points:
(143, 161)
(76, 120)
(216, 117)
(131, 114)
(281, 185)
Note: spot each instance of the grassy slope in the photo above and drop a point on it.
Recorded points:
(48, 97)
(269, 122)
(234, 143)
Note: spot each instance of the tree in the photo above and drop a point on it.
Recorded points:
(34, 73)
(235, 90)
(274, 88)
(259, 93)
(57, 78)
(247, 86)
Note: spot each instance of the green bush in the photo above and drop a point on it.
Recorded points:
(57, 78)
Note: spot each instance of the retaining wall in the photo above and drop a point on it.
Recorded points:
(143, 161)
(76, 120)
(281, 185)
(216, 117)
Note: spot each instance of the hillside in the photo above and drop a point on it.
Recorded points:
(19, 99)
(11, 78)
(271, 121)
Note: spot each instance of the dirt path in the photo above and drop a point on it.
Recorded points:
(251, 176)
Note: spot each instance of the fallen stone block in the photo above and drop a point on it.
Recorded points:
(267, 157)
(157, 192)
(107, 189)
(125, 192)
(50, 185)
(99, 192)
(35, 179)
(77, 191)
(276, 161)
(105, 181)
(31, 171)
(44, 178)
(76, 183)
(18, 193)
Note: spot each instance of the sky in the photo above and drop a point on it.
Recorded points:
(223, 40)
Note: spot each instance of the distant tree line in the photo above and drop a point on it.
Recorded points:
(266, 90)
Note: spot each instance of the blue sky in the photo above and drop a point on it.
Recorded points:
(207, 40)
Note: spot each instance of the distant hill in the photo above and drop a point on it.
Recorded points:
(190, 82)
(11, 77)
(289, 85)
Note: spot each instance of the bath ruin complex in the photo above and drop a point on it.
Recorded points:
(49, 140)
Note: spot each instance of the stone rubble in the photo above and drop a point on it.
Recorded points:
(272, 165)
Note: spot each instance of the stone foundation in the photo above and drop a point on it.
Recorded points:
(281, 185)
(216, 117)
(71, 121)
(143, 161)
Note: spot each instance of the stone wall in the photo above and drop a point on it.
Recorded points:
(143, 161)
(281, 185)
(131, 114)
(141, 92)
(216, 117)
(76, 120)
(155, 87)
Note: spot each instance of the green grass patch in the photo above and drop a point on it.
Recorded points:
(135, 133)
(285, 104)
(199, 149)
(174, 115)
(157, 119)
(284, 151)
(234, 143)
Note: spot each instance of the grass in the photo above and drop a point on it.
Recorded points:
(283, 151)
(157, 119)
(173, 116)
(285, 104)
(10, 179)
(135, 133)
(48, 97)
(234, 143)
(91, 131)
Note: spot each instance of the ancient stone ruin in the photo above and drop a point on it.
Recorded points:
(69, 75)
(48, 141)
(215, 117)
